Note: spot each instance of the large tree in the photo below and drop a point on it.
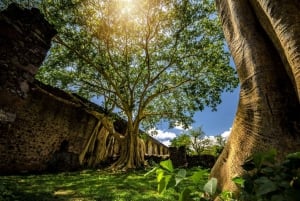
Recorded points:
(149, 60)
(264, 39)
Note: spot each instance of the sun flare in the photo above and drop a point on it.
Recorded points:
(127, 6)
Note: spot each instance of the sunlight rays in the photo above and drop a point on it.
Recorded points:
(127, 7)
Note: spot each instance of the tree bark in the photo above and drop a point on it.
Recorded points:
(132, 150)
(281, 20)
(267, 63)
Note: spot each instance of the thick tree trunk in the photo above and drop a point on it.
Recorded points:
(281, 20)
(132, 151)
(96, 149)
(268, 68)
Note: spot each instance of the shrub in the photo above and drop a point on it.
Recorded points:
(194, 186)
(267, 180)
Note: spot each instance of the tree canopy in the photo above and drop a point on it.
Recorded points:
(149, 60)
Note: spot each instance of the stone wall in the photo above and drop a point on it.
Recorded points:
(35, 119)
(41, 125)
(178, 156)
(24, 41)
(47, 118)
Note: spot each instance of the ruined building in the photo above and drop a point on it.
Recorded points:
(40, 124)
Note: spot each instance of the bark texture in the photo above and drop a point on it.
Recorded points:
(263, 37)
(132, 151)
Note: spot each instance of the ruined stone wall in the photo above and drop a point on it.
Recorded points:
(24, 41)
(155, 148)
(41, 125)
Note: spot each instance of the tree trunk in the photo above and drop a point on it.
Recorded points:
(132, 150)
(281, 20)
(90, 143)
(264, 42)
(96, 149)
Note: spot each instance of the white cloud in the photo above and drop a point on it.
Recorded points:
(166, 142)
(179, 126)
(164, 137)
(226, 134)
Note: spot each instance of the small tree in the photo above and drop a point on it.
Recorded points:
(182, 140)
(220, 143)
(199, 143)
(194, 140)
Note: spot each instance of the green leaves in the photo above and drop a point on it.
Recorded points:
(181, 140)
(162, 176)
(259, 159)
(270, 180)
(154, 60)
(190, 185)
(151, 60)
(199, 176)
(239, 181)
(264, 186)
(150, 172)
(181, 175)
(164, 183)
(267, 181)
(194, 141)
(167, 164)
(185, 195)
(211, 186)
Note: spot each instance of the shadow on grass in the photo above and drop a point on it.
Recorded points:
(81, 186)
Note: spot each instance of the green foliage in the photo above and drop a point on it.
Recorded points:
(193, 186)
(7, 192)
(211, 186)
(221, 141)
(267, 180)
(181, 140)
(167, 165)
(196, 143)
(23, 3)
(150, 60)
(199, 143)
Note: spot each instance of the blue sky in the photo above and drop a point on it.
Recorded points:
(213, 123)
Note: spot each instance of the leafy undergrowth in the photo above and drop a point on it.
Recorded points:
(86, 185)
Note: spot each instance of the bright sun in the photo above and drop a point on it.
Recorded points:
(127, 6)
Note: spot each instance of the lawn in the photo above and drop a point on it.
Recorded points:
(87, 185)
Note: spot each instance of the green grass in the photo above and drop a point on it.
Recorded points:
(88, 185)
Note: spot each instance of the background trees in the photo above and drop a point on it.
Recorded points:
(182, 140)
(197, 143)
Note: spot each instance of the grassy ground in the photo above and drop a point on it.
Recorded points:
(86, 185)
